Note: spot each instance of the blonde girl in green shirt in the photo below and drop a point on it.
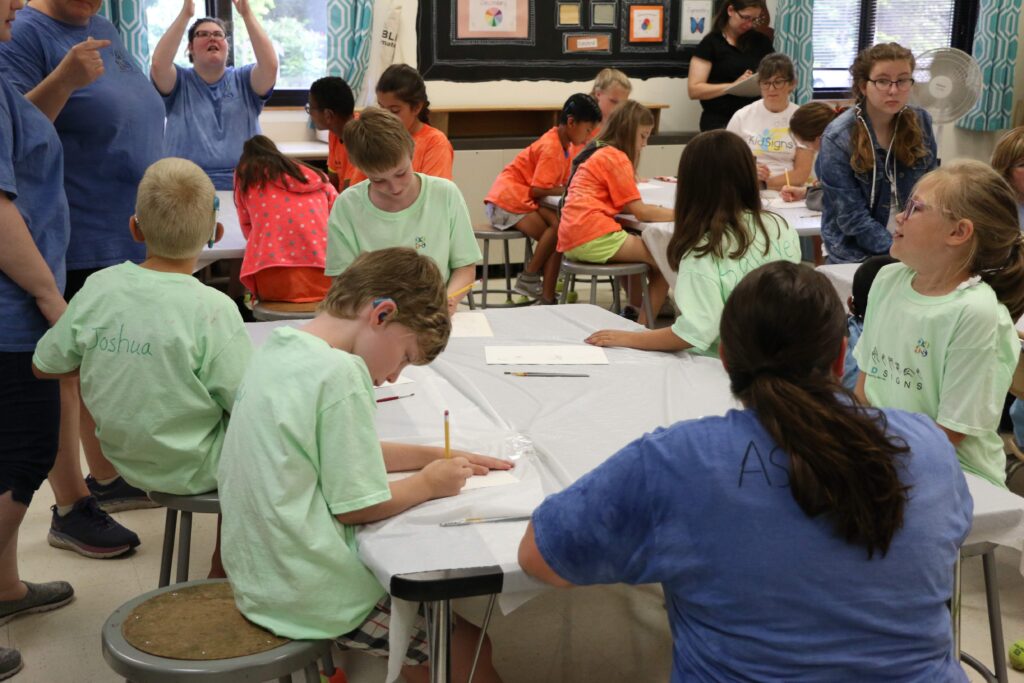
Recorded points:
(721, 234)
(938, 335)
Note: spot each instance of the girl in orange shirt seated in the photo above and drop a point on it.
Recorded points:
(603, 185)
(402, 91)
(283, 207)
(539, 171)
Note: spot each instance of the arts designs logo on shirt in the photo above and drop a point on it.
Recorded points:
(888, 368)
(922, 348)
(421, 243)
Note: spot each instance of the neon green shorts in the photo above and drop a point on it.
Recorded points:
(599, 249)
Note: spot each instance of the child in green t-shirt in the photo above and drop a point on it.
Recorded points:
(938, 334)
(720, 234)
(396, 207)
(159, 354)
(302, 463)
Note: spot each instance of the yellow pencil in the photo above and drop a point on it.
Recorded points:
(463, 290)
(447, 437)
(787, 177)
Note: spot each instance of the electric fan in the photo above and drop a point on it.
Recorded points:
(948, 83)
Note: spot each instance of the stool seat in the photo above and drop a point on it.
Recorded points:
(283, 310)
(570, 270)
(201, 502)
(487, 232)
(141, 667)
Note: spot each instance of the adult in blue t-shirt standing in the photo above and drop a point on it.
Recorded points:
(212, 108)
(802, 538)
(111, 130)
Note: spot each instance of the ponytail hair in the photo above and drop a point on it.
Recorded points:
(972, 190)
(781, 333)
(262, 162)
(908, 136)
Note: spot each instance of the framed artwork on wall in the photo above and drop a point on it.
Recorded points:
(492, 21)
(646, 23)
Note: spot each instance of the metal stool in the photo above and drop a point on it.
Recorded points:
(486, 232)
(140, 667)
(995, 618)
(609, 271)
(202, 502)
(283, 310)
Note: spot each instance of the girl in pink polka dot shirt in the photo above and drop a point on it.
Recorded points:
(283, 207)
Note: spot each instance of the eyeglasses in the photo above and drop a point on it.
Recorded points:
(903, 84)
(749, 19)
(310, 108)
(915, 205)
(218, 35)
(777, 84)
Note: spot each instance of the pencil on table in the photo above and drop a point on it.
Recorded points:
(447, 437)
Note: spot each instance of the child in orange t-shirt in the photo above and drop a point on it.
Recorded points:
(331, 106)
(611, 88)
(540, 171)
(602, 185)
(401, 91)
(283, 206)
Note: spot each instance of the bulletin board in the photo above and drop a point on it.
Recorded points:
(487, 40)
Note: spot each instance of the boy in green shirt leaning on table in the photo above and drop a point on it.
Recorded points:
(395, 207)
(159, 354)
(302, 463)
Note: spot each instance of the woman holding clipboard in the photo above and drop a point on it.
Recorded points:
(728, 55)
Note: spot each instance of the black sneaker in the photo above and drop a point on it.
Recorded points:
(10, 662)
(41, 597)
(118, 495)
(89, 531)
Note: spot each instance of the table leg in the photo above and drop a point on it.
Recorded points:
(439, 625)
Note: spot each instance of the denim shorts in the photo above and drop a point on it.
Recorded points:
(29, 426)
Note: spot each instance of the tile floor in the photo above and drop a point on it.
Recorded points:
(568, 637)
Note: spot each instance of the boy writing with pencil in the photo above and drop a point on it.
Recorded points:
(398, 207)
(159, 354)
(302, 463)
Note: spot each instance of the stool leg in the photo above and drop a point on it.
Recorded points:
(312, 673)
(954, 607)
(616, 301)
(328, 660)
(593, 290)
(564, 296)
(483, 282)
(508, 272)
(995, 617)
(184, 546)
(166, 555)
(469, 298)
(285, 679)
(647, 302)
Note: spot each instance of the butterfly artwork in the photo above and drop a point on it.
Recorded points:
(697, 25)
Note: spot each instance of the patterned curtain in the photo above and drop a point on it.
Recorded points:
(794, 21)
(348, 40)
(995, 48)
(129, 17)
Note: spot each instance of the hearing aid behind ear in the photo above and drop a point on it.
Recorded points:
(378, 301)
(216, 207)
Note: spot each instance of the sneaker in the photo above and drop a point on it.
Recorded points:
(10, 662)
(90, 531)
(41, 597)
(118, 495)
(528, 284)
(630, 312)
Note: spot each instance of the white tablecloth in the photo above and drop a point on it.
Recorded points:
(232, 244)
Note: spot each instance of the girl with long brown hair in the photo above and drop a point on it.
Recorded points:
(938, 335)
(283, 207)
(720, 234)
(603, 185)
(872, 155)
(784, 531)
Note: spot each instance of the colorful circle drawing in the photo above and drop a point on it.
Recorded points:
(645, 25)
(493, 16)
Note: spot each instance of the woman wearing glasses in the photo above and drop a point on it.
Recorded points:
(764, 126)
(872, 155)
(730, 53)
(212, 108)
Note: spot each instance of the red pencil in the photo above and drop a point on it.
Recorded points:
(392, 398)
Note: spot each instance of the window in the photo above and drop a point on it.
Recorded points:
(298, 29)
(844, 27)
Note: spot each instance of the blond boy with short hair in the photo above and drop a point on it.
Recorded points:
(159, 354)
(397, 207)
(302, 463)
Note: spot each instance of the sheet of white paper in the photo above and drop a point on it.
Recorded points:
(580, 354)
(494, 478)
(400, 387)
(647, 186)
(471, 324)
(780, 203)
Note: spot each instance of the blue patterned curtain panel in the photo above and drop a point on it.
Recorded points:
(995, 48)
(349, 23)
(129, 17)
(794, 23)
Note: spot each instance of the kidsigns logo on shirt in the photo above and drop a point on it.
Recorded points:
(771, 140)
(888, 368)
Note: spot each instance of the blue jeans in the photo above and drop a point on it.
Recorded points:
(1017, 417)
